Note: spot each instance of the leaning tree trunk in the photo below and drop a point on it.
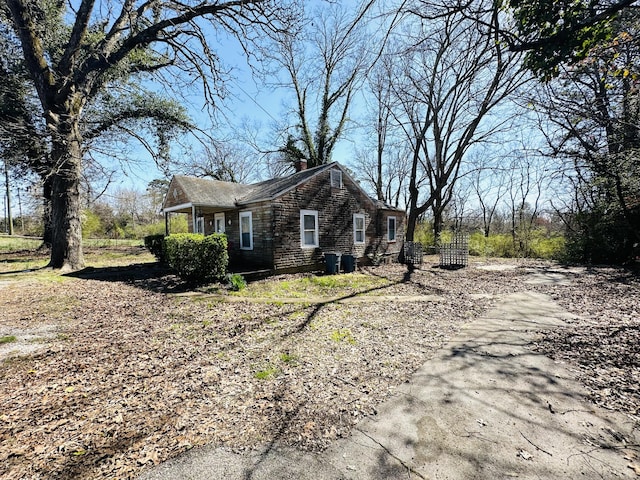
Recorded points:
(66, 228)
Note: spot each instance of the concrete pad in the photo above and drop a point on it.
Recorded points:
(547, 278)
(485, 407)
(497, 267)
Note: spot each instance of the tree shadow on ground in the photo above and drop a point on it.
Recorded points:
(527, 402)
(155, 277)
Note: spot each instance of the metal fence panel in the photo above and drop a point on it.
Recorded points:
(456, 253)
(412, 253)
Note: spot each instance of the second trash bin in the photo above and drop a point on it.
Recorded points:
(332, 261)
(348, 263)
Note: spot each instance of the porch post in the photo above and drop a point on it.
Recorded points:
(166, 224)
(193, 218)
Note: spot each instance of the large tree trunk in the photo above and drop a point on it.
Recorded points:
(66, 241)
(437, 224)
(412, 222)
(47, 232)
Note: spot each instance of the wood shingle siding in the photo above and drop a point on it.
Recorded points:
(276, 207)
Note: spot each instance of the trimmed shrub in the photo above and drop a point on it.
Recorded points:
(197, 258)
(155, 244)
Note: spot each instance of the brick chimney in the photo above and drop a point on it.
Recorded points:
(300, 165)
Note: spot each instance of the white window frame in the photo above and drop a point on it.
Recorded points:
(336, 178)
(316, 231)
(356, 217)
(395, 229)
(248, 215)
(218, 217)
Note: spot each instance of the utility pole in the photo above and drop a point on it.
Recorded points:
(9, 219)
(20, 212)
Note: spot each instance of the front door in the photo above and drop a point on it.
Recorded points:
(218, 223)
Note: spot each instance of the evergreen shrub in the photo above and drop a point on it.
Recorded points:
(197, 258)
(155, 244)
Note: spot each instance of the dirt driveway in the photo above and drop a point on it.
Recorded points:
(136, 375)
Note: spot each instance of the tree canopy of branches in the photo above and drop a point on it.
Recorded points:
(74, 52)
(448, 83)
(553, 32)
(19, 139)
(323, 64)
(594, 110)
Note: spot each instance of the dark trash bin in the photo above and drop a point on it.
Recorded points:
(348, 263)
(332, 261)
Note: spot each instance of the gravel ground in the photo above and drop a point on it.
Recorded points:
(134, 375)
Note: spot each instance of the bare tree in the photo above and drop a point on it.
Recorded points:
(592, 123)
(454, 76)
(223, 160)
(324, 65)
(383, 161)
(73, 51)
(488, 183)
(380, 87)
(527, 180)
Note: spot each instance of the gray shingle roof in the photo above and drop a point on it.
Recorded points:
(216, 193)
(275, 187)
(213, 193)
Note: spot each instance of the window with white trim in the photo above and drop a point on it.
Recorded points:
(309, 229)
(336, 178)
(218, 222)
(358, 229)
(246, 231)
(391, 229)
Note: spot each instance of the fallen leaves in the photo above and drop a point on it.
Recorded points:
(524, 455)
(135, 376)
(603, 339)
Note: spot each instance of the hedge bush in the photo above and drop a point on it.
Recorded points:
(155, 244)
(197, 258)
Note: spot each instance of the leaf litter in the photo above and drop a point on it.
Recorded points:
(136, 376)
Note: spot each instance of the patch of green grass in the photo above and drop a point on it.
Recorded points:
(16, 244)
(113, 242)
(298, 315)
(20, 257)
(113, 257)
(266, 373)
(315, 286)
(236, 282)
(288, 358)
(8, 339)
(343, 335)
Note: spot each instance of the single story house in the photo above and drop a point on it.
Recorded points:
(287, 224)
